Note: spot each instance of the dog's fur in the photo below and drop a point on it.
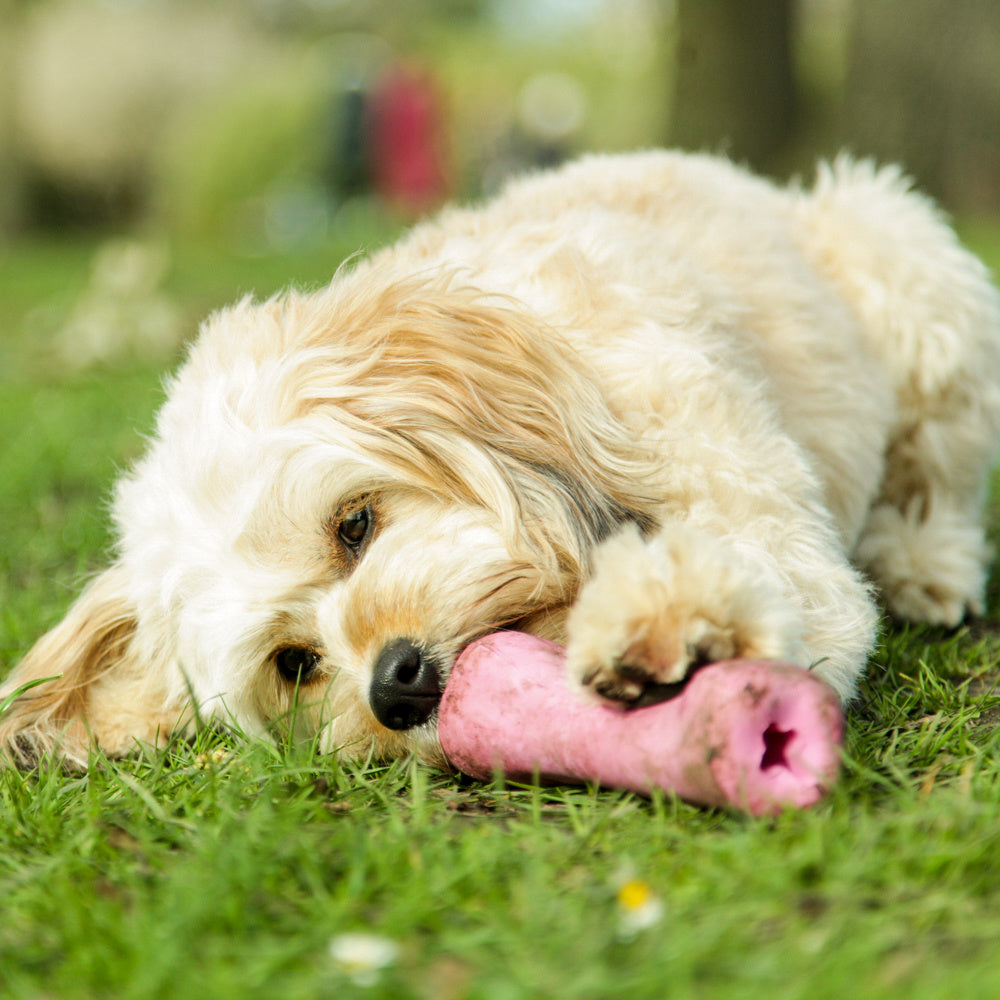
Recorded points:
(647, 405)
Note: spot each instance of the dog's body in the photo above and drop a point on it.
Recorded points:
(647, 405)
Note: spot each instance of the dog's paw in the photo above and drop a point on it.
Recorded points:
(656, 659)
(930, 569)
(654, 611)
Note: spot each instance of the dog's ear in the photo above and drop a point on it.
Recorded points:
(89, 682)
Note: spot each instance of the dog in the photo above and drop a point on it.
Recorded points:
(647, 405)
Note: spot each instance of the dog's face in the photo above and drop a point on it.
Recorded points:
(343, 491)
(341, 609)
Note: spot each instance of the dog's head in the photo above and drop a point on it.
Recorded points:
(344, 489)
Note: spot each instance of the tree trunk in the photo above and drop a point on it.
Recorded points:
(735, 88)
(11, 208)
(922, 90)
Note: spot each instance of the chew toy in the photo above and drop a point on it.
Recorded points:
(754, 735)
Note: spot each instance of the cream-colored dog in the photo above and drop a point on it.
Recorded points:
(647, 405)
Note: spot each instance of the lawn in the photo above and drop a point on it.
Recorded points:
(236, 869)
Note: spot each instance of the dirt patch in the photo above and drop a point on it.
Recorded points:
(978, 629)
(989, 718)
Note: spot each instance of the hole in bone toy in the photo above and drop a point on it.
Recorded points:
(775, 742)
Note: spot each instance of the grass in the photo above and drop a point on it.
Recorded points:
(228, 867)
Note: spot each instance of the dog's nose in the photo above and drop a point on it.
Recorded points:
(405, 687)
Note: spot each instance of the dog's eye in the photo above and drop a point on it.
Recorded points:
(296, 664)
(354, 528)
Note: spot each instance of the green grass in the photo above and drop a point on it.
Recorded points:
(228, 867)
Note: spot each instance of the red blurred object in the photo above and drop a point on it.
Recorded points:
(406, 141)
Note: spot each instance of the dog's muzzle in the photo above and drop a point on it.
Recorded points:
(405, 687)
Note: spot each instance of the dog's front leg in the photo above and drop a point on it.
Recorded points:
(655, 609)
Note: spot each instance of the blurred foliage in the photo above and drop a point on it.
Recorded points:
(241, 137)
(222, 154)
(226, 117)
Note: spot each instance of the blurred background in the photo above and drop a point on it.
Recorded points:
(158, 135)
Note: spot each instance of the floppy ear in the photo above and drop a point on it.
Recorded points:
(89, 682)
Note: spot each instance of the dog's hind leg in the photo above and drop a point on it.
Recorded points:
(924, 542)
(933, 319)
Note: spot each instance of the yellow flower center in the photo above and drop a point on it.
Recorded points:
(634, 894)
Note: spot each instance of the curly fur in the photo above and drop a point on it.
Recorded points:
(647, 405)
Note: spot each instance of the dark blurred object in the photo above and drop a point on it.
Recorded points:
(735, 85)
(53, 201)
(347, 162)
(923, 88)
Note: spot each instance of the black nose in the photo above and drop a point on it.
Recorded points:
(405, 688)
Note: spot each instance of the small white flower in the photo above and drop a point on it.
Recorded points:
(639, 908)
(363, 956)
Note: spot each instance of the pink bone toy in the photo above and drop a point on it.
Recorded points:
(755, 735)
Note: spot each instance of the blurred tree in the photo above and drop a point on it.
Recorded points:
(735, 87)
(11, 187)
(924, 89)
